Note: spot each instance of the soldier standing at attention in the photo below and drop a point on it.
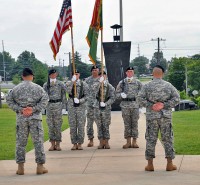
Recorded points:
(77, 110)
(28, 99)
(93, 82)
(56, 91)
(159, 97)
(127, 91)
(103, 110)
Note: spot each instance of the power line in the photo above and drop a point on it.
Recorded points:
(180, 49)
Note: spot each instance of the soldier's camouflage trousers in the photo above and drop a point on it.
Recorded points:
(54, 122)
(77, 119)
(34, 127)
(103, 120)
(130, 117)
(152, 129)
(90, 122)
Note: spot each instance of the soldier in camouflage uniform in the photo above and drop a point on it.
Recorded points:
(77, 110)
(28, 99)
(159, 97)
(57, 92)
(127, 91)
(93, 82)
(103, 110)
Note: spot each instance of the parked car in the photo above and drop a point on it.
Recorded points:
(2, 96)
(186, 105)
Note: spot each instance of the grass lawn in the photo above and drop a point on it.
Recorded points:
(145, 79)
(186, 126)
(7, 133)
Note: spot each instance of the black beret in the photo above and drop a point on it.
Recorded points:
(130, 68)
(94, 67)
(27, 72)
(51, 71)
(76, 71)
(160, 67)
(103, 73)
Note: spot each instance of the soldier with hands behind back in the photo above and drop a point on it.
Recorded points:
(28, 99)
(159, 97)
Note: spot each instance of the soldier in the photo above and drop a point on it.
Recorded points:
(159, 97)
(127, 91)
(28, 99)
(93, 82)
(77, 110)
(57, 92)
(103, 110)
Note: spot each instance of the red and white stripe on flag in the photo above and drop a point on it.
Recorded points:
(63, 24)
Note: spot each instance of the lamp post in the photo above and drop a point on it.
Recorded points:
(116, 35)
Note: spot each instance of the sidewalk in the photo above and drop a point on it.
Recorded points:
(116, 166)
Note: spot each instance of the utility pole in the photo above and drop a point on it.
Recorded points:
(186, 80)
(64, 68)
(138, 50)
(70, 65)
(158, 50)
(4, 65)
(121, 20)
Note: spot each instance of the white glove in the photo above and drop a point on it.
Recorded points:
(140, 111)
(123, 95)
(76, 100)
(102, 104)
(101, 79)
(73, 78)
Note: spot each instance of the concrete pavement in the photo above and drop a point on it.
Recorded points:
(116, 166)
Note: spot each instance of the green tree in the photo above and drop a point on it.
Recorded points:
(193, 68)
(28, 59)
(40, 72)
(176, 73)
(9, 64)
(16, 79)
(140, 63)
(80, 66)
(154, 61)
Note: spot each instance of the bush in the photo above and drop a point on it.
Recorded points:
(183, 95)
(197, 101)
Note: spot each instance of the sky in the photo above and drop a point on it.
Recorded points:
(29, 25)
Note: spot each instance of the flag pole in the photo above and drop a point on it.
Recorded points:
(73, 61)
(102, 65)
(102, 89)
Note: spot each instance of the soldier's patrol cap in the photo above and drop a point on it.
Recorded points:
(103, 73)
(130, 68)
(51, 71)
(76, 71)
(94, 67)
(27, 71)
(160, 67)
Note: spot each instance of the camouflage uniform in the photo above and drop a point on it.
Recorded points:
(103, 115)
(159, 90)
(77, 114)
(129, 106)
(57, 93)
(28, 94)
(92, 85)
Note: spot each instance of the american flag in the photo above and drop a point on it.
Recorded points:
(63, 24)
